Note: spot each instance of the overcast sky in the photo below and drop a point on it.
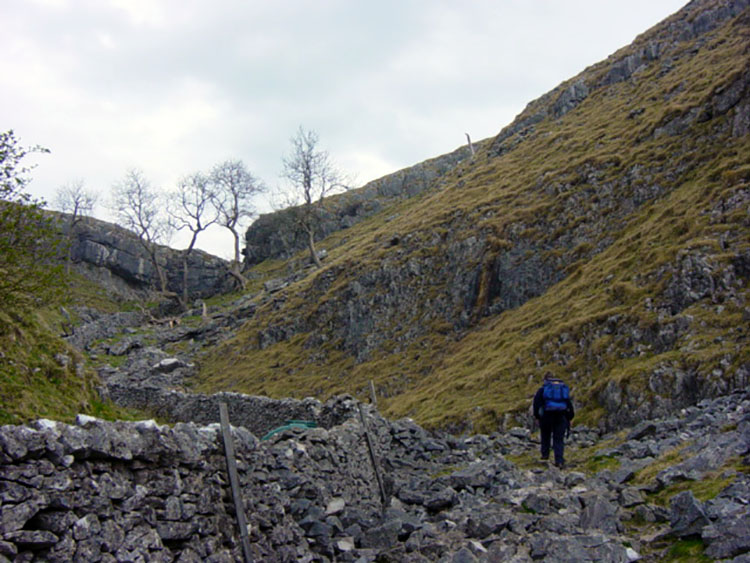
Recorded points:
(174, 86)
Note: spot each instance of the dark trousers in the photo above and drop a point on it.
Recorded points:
(553, 426)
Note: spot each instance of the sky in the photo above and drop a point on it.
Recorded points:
(173, 87)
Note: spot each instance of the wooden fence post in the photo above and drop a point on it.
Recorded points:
(373, 460)
(234, 481)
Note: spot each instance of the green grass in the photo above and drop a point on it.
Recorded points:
(109, 411)
(33, 383)
(687, 550)
(708, 487)
(82, 291)
(42, 377)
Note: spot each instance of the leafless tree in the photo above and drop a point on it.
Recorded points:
(72, 198)
(77, 201)
(138, 207)
(312, 176)
(233, 191)
(191, 207)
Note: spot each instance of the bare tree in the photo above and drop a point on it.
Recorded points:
(72, 198)
(191, 207)
(138, 207)
(313, 177)
(233, 190)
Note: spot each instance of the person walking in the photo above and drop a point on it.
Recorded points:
(553, 409)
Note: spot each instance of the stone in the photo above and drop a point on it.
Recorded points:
(112, 536)
(175, 531)
(14, 493)
(440, 500)
(335, 506)
(118, 251)
(687, 517)
(147, 492)
(632, 554)
(14, 517)
(599, 514)
(487, 524)
(630, 497)
(275, 285)
(382, 536)
(173, 508)
(124, 346)
(13, 447)
(464, 555)
(728, 538)
(265, 240)
(345, 545)
(168, 365)
(478, 474)
(32, 539)
(574, 478)
(86, 527)
(8, 549)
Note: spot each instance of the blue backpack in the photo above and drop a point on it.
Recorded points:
(556, 395)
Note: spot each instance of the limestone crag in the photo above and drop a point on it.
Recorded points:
(115, 257)
(101, 491)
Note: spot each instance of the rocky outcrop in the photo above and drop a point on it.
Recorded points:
(274, 235)
(114, 257)
(101, 491)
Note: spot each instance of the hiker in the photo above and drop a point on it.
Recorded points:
(554, 411)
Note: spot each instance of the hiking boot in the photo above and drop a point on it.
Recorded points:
(544, 460)
(560, 465)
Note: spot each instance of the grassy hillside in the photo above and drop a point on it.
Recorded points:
(40, 375)
(632, 205)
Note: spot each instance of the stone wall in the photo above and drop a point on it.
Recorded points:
(101, 491)
(258, 414)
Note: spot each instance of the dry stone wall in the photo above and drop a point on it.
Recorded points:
(100, 491)
(123, 491)
(258, 414)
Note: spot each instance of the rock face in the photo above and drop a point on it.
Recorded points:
(101, 491)
(273, 235)
(115, 257)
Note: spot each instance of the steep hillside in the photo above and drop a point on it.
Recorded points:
(42, 374)
(603, 236)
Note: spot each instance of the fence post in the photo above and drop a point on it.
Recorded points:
(373, 460)
(234, 481)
